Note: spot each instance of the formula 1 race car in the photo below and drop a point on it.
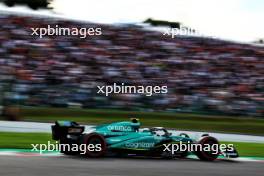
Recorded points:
(127, 139)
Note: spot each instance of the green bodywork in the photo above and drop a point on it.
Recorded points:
(126, 135)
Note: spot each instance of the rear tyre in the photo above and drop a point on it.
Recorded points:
(96, 145)
(207, 155)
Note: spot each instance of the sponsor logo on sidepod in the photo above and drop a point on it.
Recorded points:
(139, 145)
(119, 128)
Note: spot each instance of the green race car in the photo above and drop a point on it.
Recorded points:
(127, 139)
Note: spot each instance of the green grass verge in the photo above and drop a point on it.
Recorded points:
(24, 141)
(181, 121)
(248, 149)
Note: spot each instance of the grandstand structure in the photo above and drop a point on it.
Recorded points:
(202, 74)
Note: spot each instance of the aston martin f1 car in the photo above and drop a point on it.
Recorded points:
(128, 139)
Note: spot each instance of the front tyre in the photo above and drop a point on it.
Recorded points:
(96, 145)
(208, 155)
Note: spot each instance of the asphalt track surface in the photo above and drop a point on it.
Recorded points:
(76, 166)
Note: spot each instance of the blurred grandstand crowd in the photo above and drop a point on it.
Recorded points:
(202, 75)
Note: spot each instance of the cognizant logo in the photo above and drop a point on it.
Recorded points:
(139, 145)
